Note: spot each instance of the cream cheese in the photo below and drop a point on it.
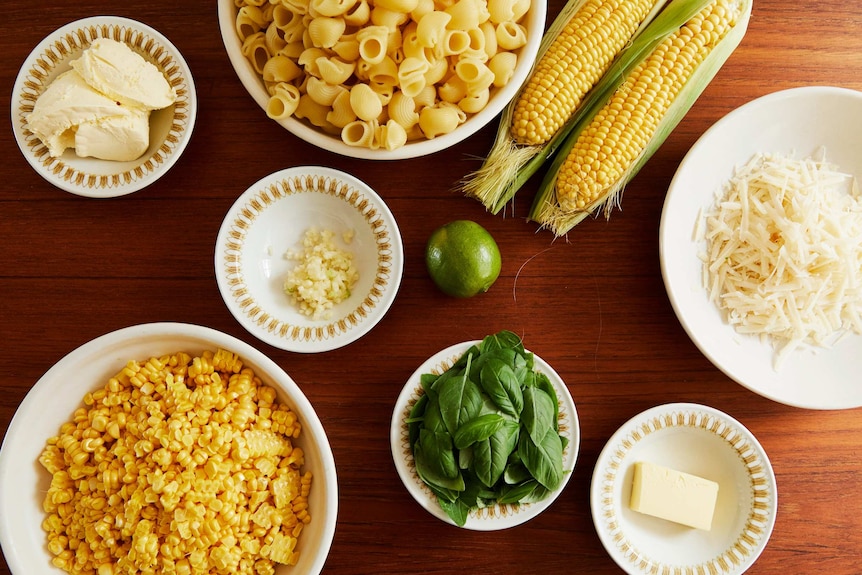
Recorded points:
(101, 107)
(119, 72)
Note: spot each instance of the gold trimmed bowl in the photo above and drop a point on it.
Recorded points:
(702, 441)
(170, 128)
(495, 517)
(270, 219)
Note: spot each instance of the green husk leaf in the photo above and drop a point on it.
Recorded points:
(545, 209)
(508, 164)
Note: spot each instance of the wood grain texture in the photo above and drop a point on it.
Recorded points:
(594, 305)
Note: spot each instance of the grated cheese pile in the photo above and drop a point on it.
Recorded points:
(784, 252)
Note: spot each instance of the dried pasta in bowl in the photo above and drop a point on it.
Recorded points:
(381, 74)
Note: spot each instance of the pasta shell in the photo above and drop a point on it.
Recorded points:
(341, 113)
(321, 92)
(324, 32)
(439, 120)
(391, 135)
(365, 102)
(503, 66)
(373, 43)
(402, 109)
(280, 68)
(255, 50)
(476, 102)
(335, 71)
(283, 102)
(358, 133)
(331, 7)
(359, 15)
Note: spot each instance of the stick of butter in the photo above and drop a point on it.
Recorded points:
(673, 495)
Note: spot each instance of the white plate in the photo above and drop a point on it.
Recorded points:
(534, 22)
(53, 399)
(798, 122)
(702, 441)
(170, 128)
(270, 218)
(498, 516)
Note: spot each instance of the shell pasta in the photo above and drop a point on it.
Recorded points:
(381, 73)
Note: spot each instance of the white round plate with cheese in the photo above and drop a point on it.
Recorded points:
(170, 128)
(798, 123)
(701, 441)
(271, 218)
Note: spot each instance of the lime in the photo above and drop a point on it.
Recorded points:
(462, 258)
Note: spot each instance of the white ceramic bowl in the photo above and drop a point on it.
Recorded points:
(702, 441)
(271, 218)
(793, 122)
(534, 22)
(59, 392)
(498, 516)
(170, 128)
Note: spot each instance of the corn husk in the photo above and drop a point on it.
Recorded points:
(508, 164)
(545, 209)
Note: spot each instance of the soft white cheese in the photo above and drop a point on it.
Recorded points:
(101, 107)
(67, 102)
(673, 495)
(119, 72)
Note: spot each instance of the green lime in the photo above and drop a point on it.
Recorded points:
(462, 258)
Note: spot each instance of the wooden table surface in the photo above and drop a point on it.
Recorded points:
(594, 306)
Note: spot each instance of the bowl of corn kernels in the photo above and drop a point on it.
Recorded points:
(382, 79)
(168, 447)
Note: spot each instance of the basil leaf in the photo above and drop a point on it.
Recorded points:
(477, 429)
(416, 418)
(502, 340)
(437, 447)
(538, 415)
(457, 510)
(440, 484)
(500, 383)
(543, 383)
(544, 460)
(460, 400)
(516, 473)
(433, 419)
(516, 493)
(491, 455)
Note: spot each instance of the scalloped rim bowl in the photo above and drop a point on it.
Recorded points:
(703, 441)
(170, 128)
(269, 219)
(59, 392)
(534, 22)
(495, 517)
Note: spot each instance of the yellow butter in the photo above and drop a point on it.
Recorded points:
(672, 495)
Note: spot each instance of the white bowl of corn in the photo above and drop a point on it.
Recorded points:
(372, 82)
(171, 447)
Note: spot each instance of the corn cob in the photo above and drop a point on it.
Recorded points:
(607, 149)
(577, 50)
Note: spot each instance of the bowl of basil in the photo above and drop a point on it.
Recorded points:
(485, 434)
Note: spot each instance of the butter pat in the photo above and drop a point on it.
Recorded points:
(673, 495)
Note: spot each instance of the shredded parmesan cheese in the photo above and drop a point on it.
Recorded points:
(783, 256)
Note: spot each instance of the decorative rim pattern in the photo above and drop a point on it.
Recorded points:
(568, 427)
(758, 523)
(282, 189)
(53, 54)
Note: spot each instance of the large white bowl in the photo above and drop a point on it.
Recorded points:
(170, 128)
(271, 218)
(793, 122)
(495, 517)
(59, 392)
(534, 22)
